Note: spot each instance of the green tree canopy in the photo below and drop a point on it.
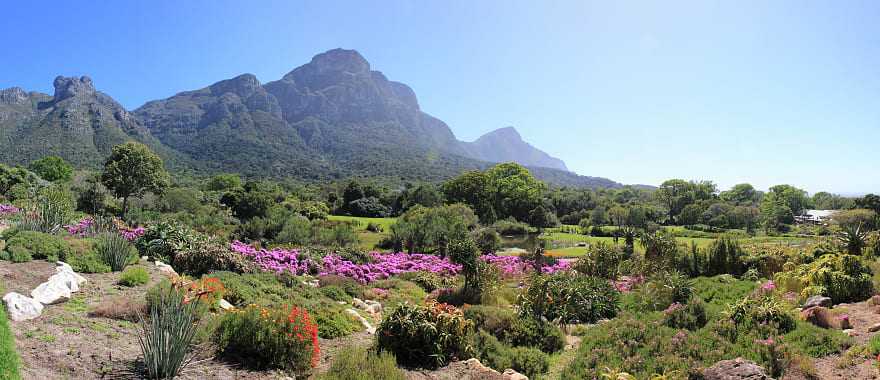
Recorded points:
(52, 169)
(132, 170)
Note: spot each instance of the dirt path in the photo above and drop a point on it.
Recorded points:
(862, 316)
(572, 343)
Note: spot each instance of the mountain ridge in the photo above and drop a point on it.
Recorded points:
(333, 117)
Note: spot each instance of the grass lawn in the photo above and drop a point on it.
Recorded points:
(362, 222)
(8, 356)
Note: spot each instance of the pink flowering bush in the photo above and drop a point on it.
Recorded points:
(6, 210)
(131, 234)
(276, 260)
(81, 228)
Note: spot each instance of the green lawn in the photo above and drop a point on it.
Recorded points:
(362, 222)
(367, 240)
(8, 356)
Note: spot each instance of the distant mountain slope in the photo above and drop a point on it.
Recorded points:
(333, 117)
(77, 123)
(504, 145)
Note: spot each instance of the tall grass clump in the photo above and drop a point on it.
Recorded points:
(354, 363)
(115, 251)
(167, 335)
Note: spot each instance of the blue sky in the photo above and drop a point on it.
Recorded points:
(736, 91)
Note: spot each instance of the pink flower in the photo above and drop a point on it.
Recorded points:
(768, 286)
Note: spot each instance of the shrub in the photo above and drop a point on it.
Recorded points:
(16, 255)
(528, 332)
(348, 284)
(283, 338)
(115, 251)
(761, 310)
(164, 240)
(478, 277)
(494, 320)
(691, 316)
(167, 335)
(425, 336)
(602, 260)
(569, 298)
(511, 227)
(529, 361)
(487, 240)
(842, 277)
(335, 293)
(662, 290)
(723, 256)
(209, 256)
(427, 280)
(87, 262)
(51, 210)
(37, 245)
(134, 277)
(353, 363)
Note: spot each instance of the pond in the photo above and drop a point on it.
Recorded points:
(527, 242)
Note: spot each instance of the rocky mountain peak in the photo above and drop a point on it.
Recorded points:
(68, 87)
(13, 95)
(341, 60)
(243, 85)
(507, 133)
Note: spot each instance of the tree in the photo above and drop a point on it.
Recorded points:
(796, 199)
(52, 169)
(515, 191)
(472, 189)
(674, 194)
(741, 194)
(133, 170)
(776, 212)
(599, 217)
(746, 217)
(223, 182)
(870, 201)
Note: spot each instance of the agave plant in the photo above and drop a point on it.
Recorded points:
(854, 238)
(167, 335)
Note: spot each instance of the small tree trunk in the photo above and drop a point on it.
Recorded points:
(124, 207)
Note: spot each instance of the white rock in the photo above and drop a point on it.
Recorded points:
(165, 268)
(22, 308)
(313, 283)
(69, 279)
(370, 306)
(225, 305)
(369, 327)
(53, 291)
(66, 268)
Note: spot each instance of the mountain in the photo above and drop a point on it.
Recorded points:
(331, 118)
(77, 123)
(504, 145)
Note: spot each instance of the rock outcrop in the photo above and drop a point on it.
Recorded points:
(736, 369)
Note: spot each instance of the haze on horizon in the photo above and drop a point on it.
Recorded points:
(765, 93)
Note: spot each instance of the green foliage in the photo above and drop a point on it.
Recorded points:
(37, 244)
(720, 291)
(52, 209)
(134, 276)
(209, 256)
(602, 260)
(569, 298)
(427, 230)
(511, 227)
(335, 293)
(428, 281)
(164, 240)
(487, 240)
(52, 169)
(223, 182)
(760, 311)
(529, 332)
(14, 176)
(662, 290)
(283, 338)
(353, 363)
(167, 335)
(843, 277)
(115, 251)
(132, 170)
(425, 336)
(723, 256)
(87, 261)
(9, 360)
(690, 316)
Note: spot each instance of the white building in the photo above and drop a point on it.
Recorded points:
(815, 216)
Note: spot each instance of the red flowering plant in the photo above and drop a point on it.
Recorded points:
(284, 338)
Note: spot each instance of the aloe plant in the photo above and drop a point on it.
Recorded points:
(167, 335)
(853, 238)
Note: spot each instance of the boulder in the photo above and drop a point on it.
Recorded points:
(53, 291)
(22, 308)
(874, 328)
(510, 374)
(66, 268)
(225, 305)
(367, 325)
(818, 301)
(370, 306)
(165, 268)
(874, 300)
(736, 369)
(69, 279)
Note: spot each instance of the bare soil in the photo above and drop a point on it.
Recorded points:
(862, 316)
